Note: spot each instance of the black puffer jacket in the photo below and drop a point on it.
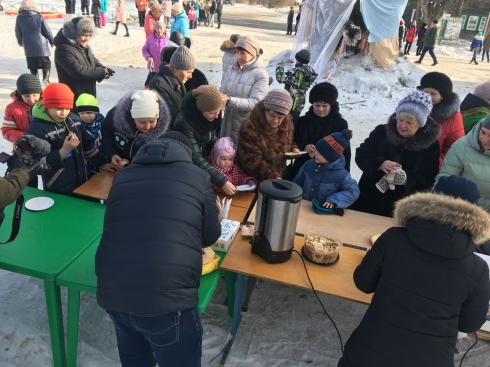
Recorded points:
(428, 284)
(165, 84)
(120, 135)
(310, 128)
(200, 133)
(418, 155)
(160, 213)
(77, 66)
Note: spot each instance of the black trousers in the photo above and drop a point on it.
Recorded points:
(141, 17)
(408, 46)
(46, 71)
(85, 9)
(117, 26)
(483, 56)
(431, 53)
(219, 19)
(290, 28)
(419, 50)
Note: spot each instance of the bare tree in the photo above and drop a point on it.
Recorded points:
(430, 10)
(459, 8)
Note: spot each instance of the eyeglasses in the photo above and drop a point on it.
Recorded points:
(275, 115)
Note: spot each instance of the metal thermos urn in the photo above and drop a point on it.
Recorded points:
(276, 218)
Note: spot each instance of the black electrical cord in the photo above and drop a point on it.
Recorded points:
(222, 350)
(464, 355)
(321, 303)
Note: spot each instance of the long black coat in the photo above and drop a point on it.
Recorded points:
(161, 212)
(418, 155)
(310, 128)
(33, 32)
(427, 285)
(421, 36)
(77, 66)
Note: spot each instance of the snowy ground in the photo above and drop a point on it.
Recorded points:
(284, 326)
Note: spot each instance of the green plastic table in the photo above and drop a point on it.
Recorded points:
(80, 276)
(47, 243)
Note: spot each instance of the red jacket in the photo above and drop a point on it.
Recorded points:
(234, 174)
(16, 120)
(412, 32)
(451, 130)
(150, 21)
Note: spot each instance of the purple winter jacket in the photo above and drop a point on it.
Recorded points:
(152, 48)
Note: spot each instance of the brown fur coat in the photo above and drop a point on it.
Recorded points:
(261, 148)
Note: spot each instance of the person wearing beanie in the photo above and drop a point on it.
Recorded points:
(398, 158)
(71, 144)
(430, 41)
(228, 49)
(445, 110)
(325, 178)
(152, 49)
(475, 106)
(76, 65)
(245, 83)
(427, 282)
(290, 21)
(297, 81)
(170, 80)
(33, 35)
(87, 107)
(200, 116)
(142, 6)
(161, 213)
(265, 138)
(137, 119)
(121, 16)
(476, 46)
(151, 18)
(402, 33)
(469, 157)
(322, 119)
(180, 21)
(16, 116)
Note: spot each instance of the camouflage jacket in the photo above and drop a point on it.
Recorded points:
(297, 82)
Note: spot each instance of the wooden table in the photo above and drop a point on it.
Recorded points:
(97, 187)
(354, 229)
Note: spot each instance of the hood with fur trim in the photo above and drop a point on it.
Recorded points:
(227, 46)
(124, 123)
(455, 214)
(446, 108)
(28, 8)
(422, 139)
(78, 27)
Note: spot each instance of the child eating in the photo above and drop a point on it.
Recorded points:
(325, 177)
(221, 157)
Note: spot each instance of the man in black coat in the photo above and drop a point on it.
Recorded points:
(161, 212)
(219, 11)
(75, 63)
(290, 21)
(428, 284)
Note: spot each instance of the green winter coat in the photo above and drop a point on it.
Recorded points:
(11, 186)
(466, 159)
(200, 133)
(431, 37)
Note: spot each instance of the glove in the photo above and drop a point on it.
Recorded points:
(31, 166)
(321, 210)
(382, 185)
(111, 71)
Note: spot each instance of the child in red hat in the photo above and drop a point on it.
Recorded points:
(52, 121)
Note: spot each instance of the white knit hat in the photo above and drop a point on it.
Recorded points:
(145, 105)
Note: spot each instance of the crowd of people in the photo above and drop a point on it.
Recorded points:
(179, 138)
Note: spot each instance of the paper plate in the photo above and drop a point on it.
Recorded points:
(245, 188)
(40, 203)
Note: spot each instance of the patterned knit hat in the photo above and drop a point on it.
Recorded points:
(278, 100)
(87, 103)
(58, 95)
(223, 146)
(156, 8)
(418, 104)
(249, 44)
(207, 98)
(303, 56)
(182, 59)
(28, 84)
(145, 104)
(332, 146)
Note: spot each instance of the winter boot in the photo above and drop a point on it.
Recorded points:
(127, 31)
(115, 32)
(46, 73)
(435, 63)
(418, 62)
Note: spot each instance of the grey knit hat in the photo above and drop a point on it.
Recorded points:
(28, 84)
(79, 27)
(486, 122)
(418, 104)
(278, 100)
(182, 59)
(303, 56)
(160, 24)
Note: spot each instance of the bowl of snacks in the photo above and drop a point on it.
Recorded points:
(322, 247)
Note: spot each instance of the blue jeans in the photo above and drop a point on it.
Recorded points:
(172, 339)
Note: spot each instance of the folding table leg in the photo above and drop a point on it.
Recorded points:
(55, 320)
(230, 291)
(237, 309)
(73, 318)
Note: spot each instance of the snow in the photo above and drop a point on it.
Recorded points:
(284, 326)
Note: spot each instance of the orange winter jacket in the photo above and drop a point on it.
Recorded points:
(451, 130)
(142, 5)
(15, 120)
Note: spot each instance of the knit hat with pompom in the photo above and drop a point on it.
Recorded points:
(418, 104)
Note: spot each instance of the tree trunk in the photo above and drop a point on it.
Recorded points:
(432, 10)
(459, 8)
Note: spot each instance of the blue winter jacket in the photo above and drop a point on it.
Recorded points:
(33, 33)
(328, 182)
(477, 43)
(181, 24)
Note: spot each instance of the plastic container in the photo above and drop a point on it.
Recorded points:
(322, 247)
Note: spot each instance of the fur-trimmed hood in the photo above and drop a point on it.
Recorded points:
(422, 139)
(446, 108)
(79, 27)
(28, 8)
(227, 46)
(124, 123)
(456, 214)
